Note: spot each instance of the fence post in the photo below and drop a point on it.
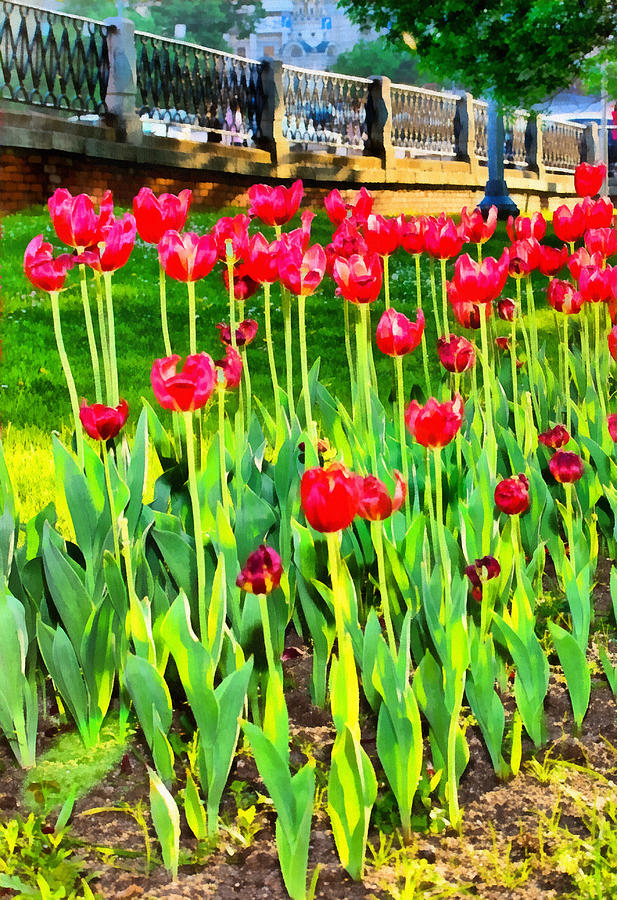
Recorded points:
(465, 130)
(591, 151)
(273, 112)
(379, 121)
(122, 84)
(533, 145)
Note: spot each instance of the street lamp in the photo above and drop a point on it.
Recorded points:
(496, 190)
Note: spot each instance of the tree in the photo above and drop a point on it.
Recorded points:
(208, 20)
(381, 57)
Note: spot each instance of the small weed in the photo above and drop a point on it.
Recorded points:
(498, 868)
(417, 879)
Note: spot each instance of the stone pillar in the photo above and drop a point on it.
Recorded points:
(465, 130)
(591, 144)
(533, 145)
(122, 84)
(379, 121)
(272, 138)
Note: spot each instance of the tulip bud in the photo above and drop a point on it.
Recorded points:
(506, 309)
(481, 571)
(555, 438)
(456, 354)
(566, 467)
(512, 495)
(611, 421)
(262, 572)
(103, 422)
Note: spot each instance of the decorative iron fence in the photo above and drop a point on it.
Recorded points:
(322, 108)
(187, 84)
(423, 121)
(53, 59)
(562, 144)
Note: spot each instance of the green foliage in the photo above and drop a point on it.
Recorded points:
(518, 51)
(208, 21)
(381, 57)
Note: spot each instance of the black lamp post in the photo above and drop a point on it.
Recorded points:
(496, 190)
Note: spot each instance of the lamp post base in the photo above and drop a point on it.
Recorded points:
(496, 194)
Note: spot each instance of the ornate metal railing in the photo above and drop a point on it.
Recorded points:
(52, 59)
(562, 144)
(423, 120)
(515, 151)
(184, 83)
(480, 118)
(322, 108)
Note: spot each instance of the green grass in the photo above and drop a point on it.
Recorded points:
(33, 397)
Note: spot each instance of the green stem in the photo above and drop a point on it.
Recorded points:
(286, 307)
(402, 432)
(68, 375)
(566, 374)
(190, 286)
(560, 353)
(517, 548)
(489, 431)
(479, 252)
(438, 326)
(199, 542)
(369, 348)
(265, 623)
(570, 525)
(386, 280)
(222, 452)
(441, 534)
(444, 298)
(271, 358)
(334, 561)
(114, 520)
(308, 413)
(247, 386)
(364, 377)
(532, 387)
(514, 370)
(100, 306)
(94, 355)
(596, 356)
(163, 298)
(348, 351)
(585, 345)
(377, 536)
(111, 335)
(428, 500)
(427, 377)
(533, 323)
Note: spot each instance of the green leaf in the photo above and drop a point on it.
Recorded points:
(166, 821)
(574, 664)
(194, 809)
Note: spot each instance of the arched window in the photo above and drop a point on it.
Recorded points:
(295, 51)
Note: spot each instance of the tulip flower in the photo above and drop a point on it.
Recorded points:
(478, 230)
(262, 572)
(566, 467)
(588, 179)
(612, 342)
(480, 282)
(580, 258)
(524, 257)
(443, 239)
(396, 335)
(611, 421)
(154, 216)
(375, 502)
(601, 241)
(523, 227)
(262, 259)
(456, 354)
(230, 369)
(555, 438)
(75, 220)
(503, 343)
(413, 235)
(466, 313)
(382, 235)
(245, 332)
(563, 297)
(569, 225)
(552, 259)
(347, 240)
(598, 285)
(506, 309)
(245, 285)
(119, 240)
(275, 205)
(329, 497)
(361, 206)
(435, 424)
(186, 390)
(234, 229)
(102, 423)
(598, 213)
(359, 278)
(480, 571)
(42, 269)
(337, 209)
(302, 272)
(187, 257)
(512, 495)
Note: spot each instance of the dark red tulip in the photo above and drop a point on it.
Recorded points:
(244, 284)
(512, 495)
(435, 424)
(506, 309)
(569, 224)
(466, 313)
(581, 258)
(524, 257)
(375, 502)
(245, 332)
(103, 422)
(119, 242)
(230, 369)
(524, 227)
(598, 285)
(187, 390)
(329, 497)
(443, 241)
(275, 205)
(75, 220)
(555, 438)
(588, 179)
(234, 229)
(480, 571)
(262, 572)
(480, 282)
(302, 273)
(382, 236)
(359, 278)
(154, 216)
(563, 296)
(396, 335)
(566, 467)
(42, 269)
(476, 229)
(601, 241)
(503, 343)
(612, 342)
(187, 256)
(611, 421)
(456, 354)
(552, 259)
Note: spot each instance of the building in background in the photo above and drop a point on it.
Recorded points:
(306, 33)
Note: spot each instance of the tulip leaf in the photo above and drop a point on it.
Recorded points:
(575, 668)
(166, 821)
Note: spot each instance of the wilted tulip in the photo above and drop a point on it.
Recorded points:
(375, 502)
(506, 309)
(245, 332)
(262, 572)
(555, 438)
(230, 369)
(456, 354)
(482, 570)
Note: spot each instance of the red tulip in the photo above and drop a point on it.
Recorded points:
(302, 273)
(262, 259)
(375, 501)
(359, 278)
(612, 342)
(234, 229)
(523, 227)
(346, 241)
(188, 256)
(382, 236)
(337, 209)
(435, 424)
(503, 343)
(480, 282)
(566, 467)
(244, 284)
(329, 497)
(154, 216)
(74, 218)
(187, 390)
(580, 258)
(300, 237)
(569, 225)
(230, 369)
(588, 179)
(465, 312)
(479, 572)
(443, 241)
(601, 241)
(478, 231)
(598, 213)
(611, 421)
(506, 309)
(262, 572)
(555, 438)
(413, 235)
(275, 205)
(456, 354)
(396, 335)
(598, 285)
(103, 422)
(552, 259)
(119, 242)
(563, 296)
(245, 332)
(42, 269)
(512, 495)
(524, 257)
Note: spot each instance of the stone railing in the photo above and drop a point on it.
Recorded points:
(191, 92)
